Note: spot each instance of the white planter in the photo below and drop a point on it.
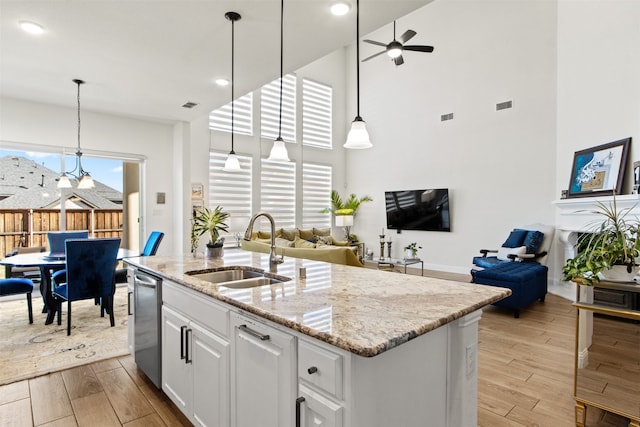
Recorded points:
(618, 273)
(409, 254)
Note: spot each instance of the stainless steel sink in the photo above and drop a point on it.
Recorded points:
(238, 277)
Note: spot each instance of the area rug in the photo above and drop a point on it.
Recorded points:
(30, 350)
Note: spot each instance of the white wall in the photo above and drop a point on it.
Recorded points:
(598, 82)
(499, 166)
(31, 123)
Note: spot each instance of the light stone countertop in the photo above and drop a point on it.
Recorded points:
(364, 311)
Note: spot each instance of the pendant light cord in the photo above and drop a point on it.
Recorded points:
(232, 79)
(78, 82)
(358, 57)
(281, 66)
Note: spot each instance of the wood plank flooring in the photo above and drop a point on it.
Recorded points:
(525, 379)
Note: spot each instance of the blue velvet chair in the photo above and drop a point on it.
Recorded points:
(150, 249)
(56, 239)
(16, 286)
(518, 265)
(90, 274)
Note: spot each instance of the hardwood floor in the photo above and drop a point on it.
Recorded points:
(525, 379)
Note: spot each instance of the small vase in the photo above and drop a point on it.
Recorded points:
(409, 254)
(215, 253)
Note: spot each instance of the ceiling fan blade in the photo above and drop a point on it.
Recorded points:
(418, 48)
(398, 60)
(375, 42)
(407, 36)
(374, 55)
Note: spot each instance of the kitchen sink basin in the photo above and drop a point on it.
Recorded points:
(239, 278)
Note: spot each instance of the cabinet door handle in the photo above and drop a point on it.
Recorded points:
(129, 303)
(187, 360)
(298, 403)
(312, 370)
(182, 328)
(261, 337)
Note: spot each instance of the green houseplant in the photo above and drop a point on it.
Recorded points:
(210, 221)
(611, 242)
(412, 250)
(345, 207)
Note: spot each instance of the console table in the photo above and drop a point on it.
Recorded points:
(399, 262)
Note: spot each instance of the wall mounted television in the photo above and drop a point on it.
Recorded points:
(423, 210)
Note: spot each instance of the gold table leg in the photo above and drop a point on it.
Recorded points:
(581, 414)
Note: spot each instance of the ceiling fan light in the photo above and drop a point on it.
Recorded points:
(232, 164)
(358, 137)
(64, 181)
(340, 8)
(279, 151)
(394, 52)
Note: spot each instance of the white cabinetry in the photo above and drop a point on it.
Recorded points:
(263, 386)
(130, 309)
(195, 356)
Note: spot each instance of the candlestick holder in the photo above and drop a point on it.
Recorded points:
(382, 246)
(389, 248)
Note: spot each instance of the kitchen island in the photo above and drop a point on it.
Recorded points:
(343, 346)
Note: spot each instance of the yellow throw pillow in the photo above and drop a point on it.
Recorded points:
(290, 233)
(301, 243)
(322, 231)
(306, 234)
(283, 242)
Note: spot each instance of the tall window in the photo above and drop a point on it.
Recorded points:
(270, 109)
(316, 187)
(317, 109)
(278, 192)
(220, 119)
(231, 190)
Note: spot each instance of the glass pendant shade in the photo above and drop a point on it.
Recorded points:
(279, 151)
(358, 137)
(64, 182)
(232, 164)
(86, 182)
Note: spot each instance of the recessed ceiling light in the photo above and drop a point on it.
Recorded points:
(222, 82)
(31, 27)
(340, 7)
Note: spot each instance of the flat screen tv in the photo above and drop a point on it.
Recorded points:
(424, 210)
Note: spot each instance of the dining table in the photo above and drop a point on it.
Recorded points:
(48, 266)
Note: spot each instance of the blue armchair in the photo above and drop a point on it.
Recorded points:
(90, 273)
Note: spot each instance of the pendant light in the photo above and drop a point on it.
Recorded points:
(358, 137)
(86, 181)
(279, 149)
(232, 164)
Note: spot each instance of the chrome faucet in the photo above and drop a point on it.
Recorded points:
(273, 258)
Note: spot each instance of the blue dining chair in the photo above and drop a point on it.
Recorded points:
(15, 286)
(90, 274)
(56, 239)
(150, 249)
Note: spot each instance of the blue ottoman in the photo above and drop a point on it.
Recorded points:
(15, 286)
(527, 281)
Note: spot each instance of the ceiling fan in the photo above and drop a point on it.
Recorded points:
(394, 48)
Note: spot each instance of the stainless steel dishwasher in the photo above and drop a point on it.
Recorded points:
(147, 306)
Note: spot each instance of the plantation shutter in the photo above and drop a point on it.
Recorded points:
(278, 192)
(317, 102)
(270, 109)
(316, 188)
(220, 119)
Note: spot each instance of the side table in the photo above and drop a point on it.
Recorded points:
(399, 262)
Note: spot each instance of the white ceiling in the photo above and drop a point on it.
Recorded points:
(145, 58)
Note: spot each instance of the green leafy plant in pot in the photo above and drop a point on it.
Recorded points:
(611, 242)
(211, 221)
(411, 250)
(348, 207)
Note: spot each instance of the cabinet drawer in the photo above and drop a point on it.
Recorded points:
(207, 313)
(320, 367)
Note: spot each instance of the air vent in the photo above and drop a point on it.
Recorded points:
(504, 105)
(189, 104)
(445, 117)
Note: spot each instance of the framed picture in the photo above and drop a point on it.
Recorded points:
(197, 191)
(197, 205)
(599, 171)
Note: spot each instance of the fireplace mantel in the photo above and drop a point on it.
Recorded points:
(577, 214)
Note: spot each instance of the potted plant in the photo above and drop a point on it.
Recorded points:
(211, 221)
(345, 207)
(411, 250)
(611, 244)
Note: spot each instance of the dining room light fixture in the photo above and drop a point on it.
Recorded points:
(279, 150)
(232, 164)
(85, 180)
(358, 137)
